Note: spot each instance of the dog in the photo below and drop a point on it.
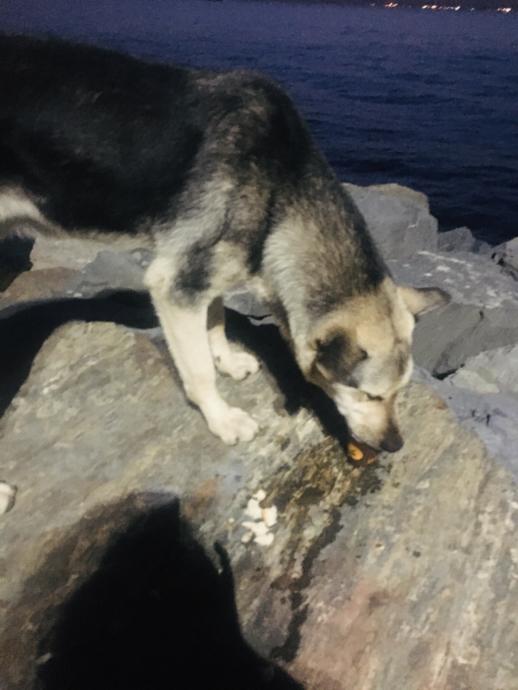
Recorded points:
(219, 173)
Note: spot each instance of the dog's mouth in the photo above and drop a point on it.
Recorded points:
(367, 446)
(390, 442)
(388, 445)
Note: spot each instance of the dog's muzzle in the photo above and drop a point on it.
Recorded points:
(392, 441)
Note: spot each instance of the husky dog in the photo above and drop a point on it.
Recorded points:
(219, 172)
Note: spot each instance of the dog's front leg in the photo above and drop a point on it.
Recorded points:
(185, 330)
(186, 334)
(228, 360)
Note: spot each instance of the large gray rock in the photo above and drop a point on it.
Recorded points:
(493, 416)
(71, 267)
(494, 371)
(398, 219)
(246, 302)
(461, 240)
(484, 395)
(483, 314)
(402, 574)
(506, 256)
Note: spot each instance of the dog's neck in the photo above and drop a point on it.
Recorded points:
(307, 283)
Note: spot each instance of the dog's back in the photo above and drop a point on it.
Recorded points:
(99, 139)
(106, 141)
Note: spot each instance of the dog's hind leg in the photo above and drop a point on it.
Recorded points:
(228, 360)
(185, 330)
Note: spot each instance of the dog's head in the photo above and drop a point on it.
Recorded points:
(361, 356)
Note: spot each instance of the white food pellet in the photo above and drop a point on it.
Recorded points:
(7, 497)
(269, 516)
(253, 509)
(258, 528)
(264, 539)
(247, 537)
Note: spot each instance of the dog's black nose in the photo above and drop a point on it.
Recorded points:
(392, 441)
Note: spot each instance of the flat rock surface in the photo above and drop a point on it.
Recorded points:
(493, 371)
(461, 274)
(485, 401)
(400, 575)
(493, 416)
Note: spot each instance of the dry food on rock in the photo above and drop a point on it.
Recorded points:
(361, 452)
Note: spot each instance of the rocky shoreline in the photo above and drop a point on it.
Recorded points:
(401, 574)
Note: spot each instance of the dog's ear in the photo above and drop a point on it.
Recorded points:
(421, 300)
(337, 355)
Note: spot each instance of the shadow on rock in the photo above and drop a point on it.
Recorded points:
(156, 613)
(23, 333)
(15, 255)
(267, 343)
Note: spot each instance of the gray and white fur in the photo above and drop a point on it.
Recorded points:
(220, 174)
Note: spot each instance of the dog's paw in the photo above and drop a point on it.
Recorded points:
(239, 365)
(233, 425)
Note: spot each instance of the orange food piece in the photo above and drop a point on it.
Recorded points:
(360, 452)
(354, 452)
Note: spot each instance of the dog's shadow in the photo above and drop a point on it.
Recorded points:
(266, 342)
(156, 613)
(23, 333)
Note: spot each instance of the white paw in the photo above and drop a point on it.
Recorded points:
(239, 365)
(233, 425)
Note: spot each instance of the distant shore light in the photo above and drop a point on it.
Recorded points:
(442, 8)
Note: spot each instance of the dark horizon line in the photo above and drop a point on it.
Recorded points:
(465, 6)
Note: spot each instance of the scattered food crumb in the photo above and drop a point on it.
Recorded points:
(253, 509)
(258, 528)
(247, 537)
(354, 452)
(269, 516)
(265, 539)
(262, 519)
(361, 452)
(7, 497)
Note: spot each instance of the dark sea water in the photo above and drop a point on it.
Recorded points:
(425, 99)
